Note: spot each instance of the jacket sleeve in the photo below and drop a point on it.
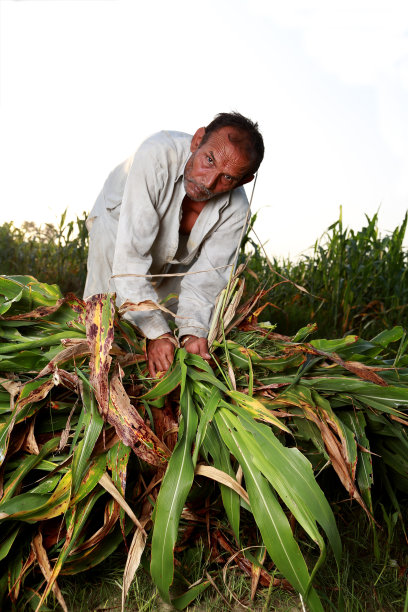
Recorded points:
(199, 291)
(137, 229)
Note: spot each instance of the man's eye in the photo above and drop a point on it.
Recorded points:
(210, 159)
(228, 177)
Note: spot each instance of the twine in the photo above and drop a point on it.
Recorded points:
(168, 274)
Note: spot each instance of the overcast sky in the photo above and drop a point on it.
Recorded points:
(84, 82)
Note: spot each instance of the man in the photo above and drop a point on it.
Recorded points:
(176, 207)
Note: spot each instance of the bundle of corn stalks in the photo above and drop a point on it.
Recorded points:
(95, 453)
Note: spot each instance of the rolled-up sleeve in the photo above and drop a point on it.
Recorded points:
(137, 230)
(199, 290)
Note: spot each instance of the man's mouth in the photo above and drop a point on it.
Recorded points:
(199, 191)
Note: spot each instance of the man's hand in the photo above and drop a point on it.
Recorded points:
(197, 346)
(160, 353)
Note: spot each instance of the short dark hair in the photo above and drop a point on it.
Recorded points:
(252, 134)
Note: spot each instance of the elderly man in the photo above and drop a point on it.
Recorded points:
(176, 207)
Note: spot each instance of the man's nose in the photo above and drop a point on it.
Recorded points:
(209, 180)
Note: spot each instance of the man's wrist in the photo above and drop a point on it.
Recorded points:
(168, 336)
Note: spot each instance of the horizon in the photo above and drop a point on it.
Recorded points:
(328, 86)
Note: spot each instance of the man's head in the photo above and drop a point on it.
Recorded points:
(225, 155)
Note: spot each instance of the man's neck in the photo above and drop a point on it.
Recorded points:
(190, 213)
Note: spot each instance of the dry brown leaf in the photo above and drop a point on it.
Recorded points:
(15, 588)
(100, 340)
(131, 428)
(43, 311)
(30, 443)
(12, 386)
(232, 376)
(70, 381)
(256, 574)
(226, 602)
(45, 567)
(135, 552)
(65, 434)
(107, 483)
(130, 359)
(359, 369)
(336, 454)
(143, 306)
(34, 396)
(232, 308)
(78, 349)
(395, 418)
(211, 472)
(109, 522)
(365, 372)
(166, 423)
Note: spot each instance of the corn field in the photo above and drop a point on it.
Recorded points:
(95, 453)
(355, 281)
(55, 254)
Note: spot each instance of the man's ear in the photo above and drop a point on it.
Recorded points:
(246, 179)
(197, 138)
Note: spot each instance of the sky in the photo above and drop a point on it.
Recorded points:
(84, 82)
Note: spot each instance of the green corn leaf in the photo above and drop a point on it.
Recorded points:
(47, 485)
(185, 600)
(370, 402)
(10, 291)
(90, 479)
(75, 520)
(392, 396)
(83, 417)
(27, 404)
(172, 496)
(24, 361)
(270, 519)
(117, 459)
(279, 364)
(26, 465)
(200, 375)
(356, 422)
(302, 333)
(333, 346)
(7, 542)
(15, 567)
(240, 356)
(291, 475)
(388, 335)
(93, 427)
(337, 384)
(215, 445)
(33, 508)
(206, 416)
(256, 409)
(11, 347)
(167, 383)
(196, 362)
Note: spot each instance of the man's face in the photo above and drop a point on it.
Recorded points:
(217, 166)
